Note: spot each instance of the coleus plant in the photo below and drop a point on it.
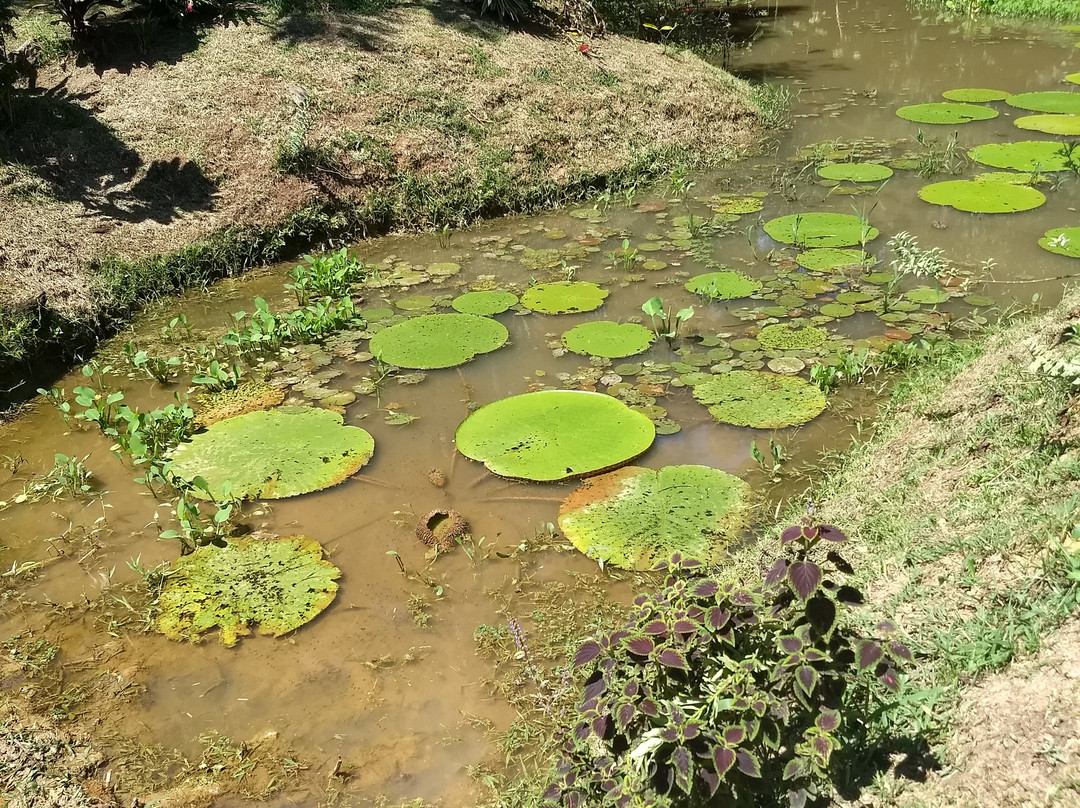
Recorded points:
(721, 693)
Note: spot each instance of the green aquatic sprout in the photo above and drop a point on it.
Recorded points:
(664, 323)
(623, 258)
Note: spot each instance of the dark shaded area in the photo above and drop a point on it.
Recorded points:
(861, 760)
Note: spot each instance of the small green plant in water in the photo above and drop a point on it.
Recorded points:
(771, 463)
(217, 376)
(936, 158)
(666, 323)
(329, 276)
(158, 369)
(624, 258)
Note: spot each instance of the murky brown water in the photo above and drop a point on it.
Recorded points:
(364, 681)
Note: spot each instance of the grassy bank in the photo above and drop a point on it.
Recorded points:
(1063, 10)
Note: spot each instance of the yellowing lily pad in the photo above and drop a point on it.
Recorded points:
(1049, 101)
(438, 340)
(276, 584)
(443, 269)
(610, 340)
(415, 302)
(820, 230)
(946, 113)
(982, 197)
(1062, 241)
(737, 205)
(635, 517)
(760, 399)
(484, 303)
(274, 454)
(824, 259)
(554, 435)
(854, 172)
(723, 285)
(1025, 155)
(972, 95)
(787, 337)
(1050, 124)
(564, 297)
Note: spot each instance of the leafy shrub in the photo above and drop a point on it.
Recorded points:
(515, 11)
(330, 275)
(722, 694)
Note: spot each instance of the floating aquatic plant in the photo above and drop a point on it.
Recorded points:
(982, 197)
(788, 336)
(438, 340)
(854, 172)
(972, 95)
(1067, 125)
(820, 230)
(1056, 101)
(724, 285)
(946, 113)
(759, 399)
(1062, 241)
(1025, 155)
(564, 297)
(610, 340)
(484, 303)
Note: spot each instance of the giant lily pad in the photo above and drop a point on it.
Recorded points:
(636, 517)
(274, 454)
(278, 584)
(788, 337)
(564, 297)
(946, 113)
(759, 399)
(554, 435)
(723, 285)
(484, 303)
(820, 230)
(1062, 241)
(854, 172)
(1051, 101)
(982, 197)
(824, 259)
(1025, 155)
(974, 95)
(1050, 124)
(610, 340)
(438, 340)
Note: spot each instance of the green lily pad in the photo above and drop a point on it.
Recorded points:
(824, 259)
(759, 399)
(982, 301)
(1010, 177)
(443, 269)
(982, 197)
(484, 303)
(1057, 101)
(610, 340)
(973, 95)
(723, 285)
(837, 310)
(438, 340)
(854, 172)
(854, 298)
(949, 113)
(1062, 241)
(926, 296)
(820, 230)
(1025, 155)
(787, 337)
(786, 364)
(738, 205)
(415, 303)
(635, 517)
(1050, 124)
(554, 435)
(277, 584)
(274, 454)
(742, 344)
(564, 297)
(1073, 78)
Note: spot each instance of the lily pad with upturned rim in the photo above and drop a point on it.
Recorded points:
(820, 230)
(723, 285)
(946, 113)
(1062, 241)
(759, 399)
(277, 584)
(975, 95)
(564, 297)
(982, 197)
(435, 341)
(1066, 125)
(635, 517)
(1024, 155)
(823, 259)
(1056, 101)
(854, 172)
(484, 303)
(274, 453)
(607, 339)
(554, 435)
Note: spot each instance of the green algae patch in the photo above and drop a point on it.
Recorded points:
(1062, 241)
(635, 517)
(1025, 155)
(274, 454)
(484, 303)
(1068, 125)
(824, 259)
(820, 230)
(250, 396)
(789, 337)
(1055, 101)
(982, 197)
(854, 172)
(564, 297)
(554, 435)
(941, 112)
(725, 285)
(735, 205)
(276, 584)
(609, 340)
(975, 95)
(438, 340)
(759, 399)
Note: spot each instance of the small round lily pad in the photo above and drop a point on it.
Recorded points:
(484, 303)
(973, 95)
(837, 310)
(824, 259)
(1068, 125)
(1062, 241)
(415, 303)
(982, 197)
(760, 399)
(820, 230)
(1047, 101)
(949, 113)
(787, 337)
(1025, 155)
(635, 517)
(610, 340)
(926, 296)
(723, 285)
(554, 435)
(854, 172)
(564, 297)
(438, 340)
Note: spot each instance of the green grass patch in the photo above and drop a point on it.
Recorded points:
(1061, 10)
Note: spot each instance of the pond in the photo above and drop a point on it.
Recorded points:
(392, 676)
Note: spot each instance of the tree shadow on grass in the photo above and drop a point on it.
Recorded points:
(903, 758)
(57, 137)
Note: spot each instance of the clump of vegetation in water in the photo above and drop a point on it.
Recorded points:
(666, 322)
(725, 692)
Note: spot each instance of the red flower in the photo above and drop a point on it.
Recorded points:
(189, 6)
(583, 47)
